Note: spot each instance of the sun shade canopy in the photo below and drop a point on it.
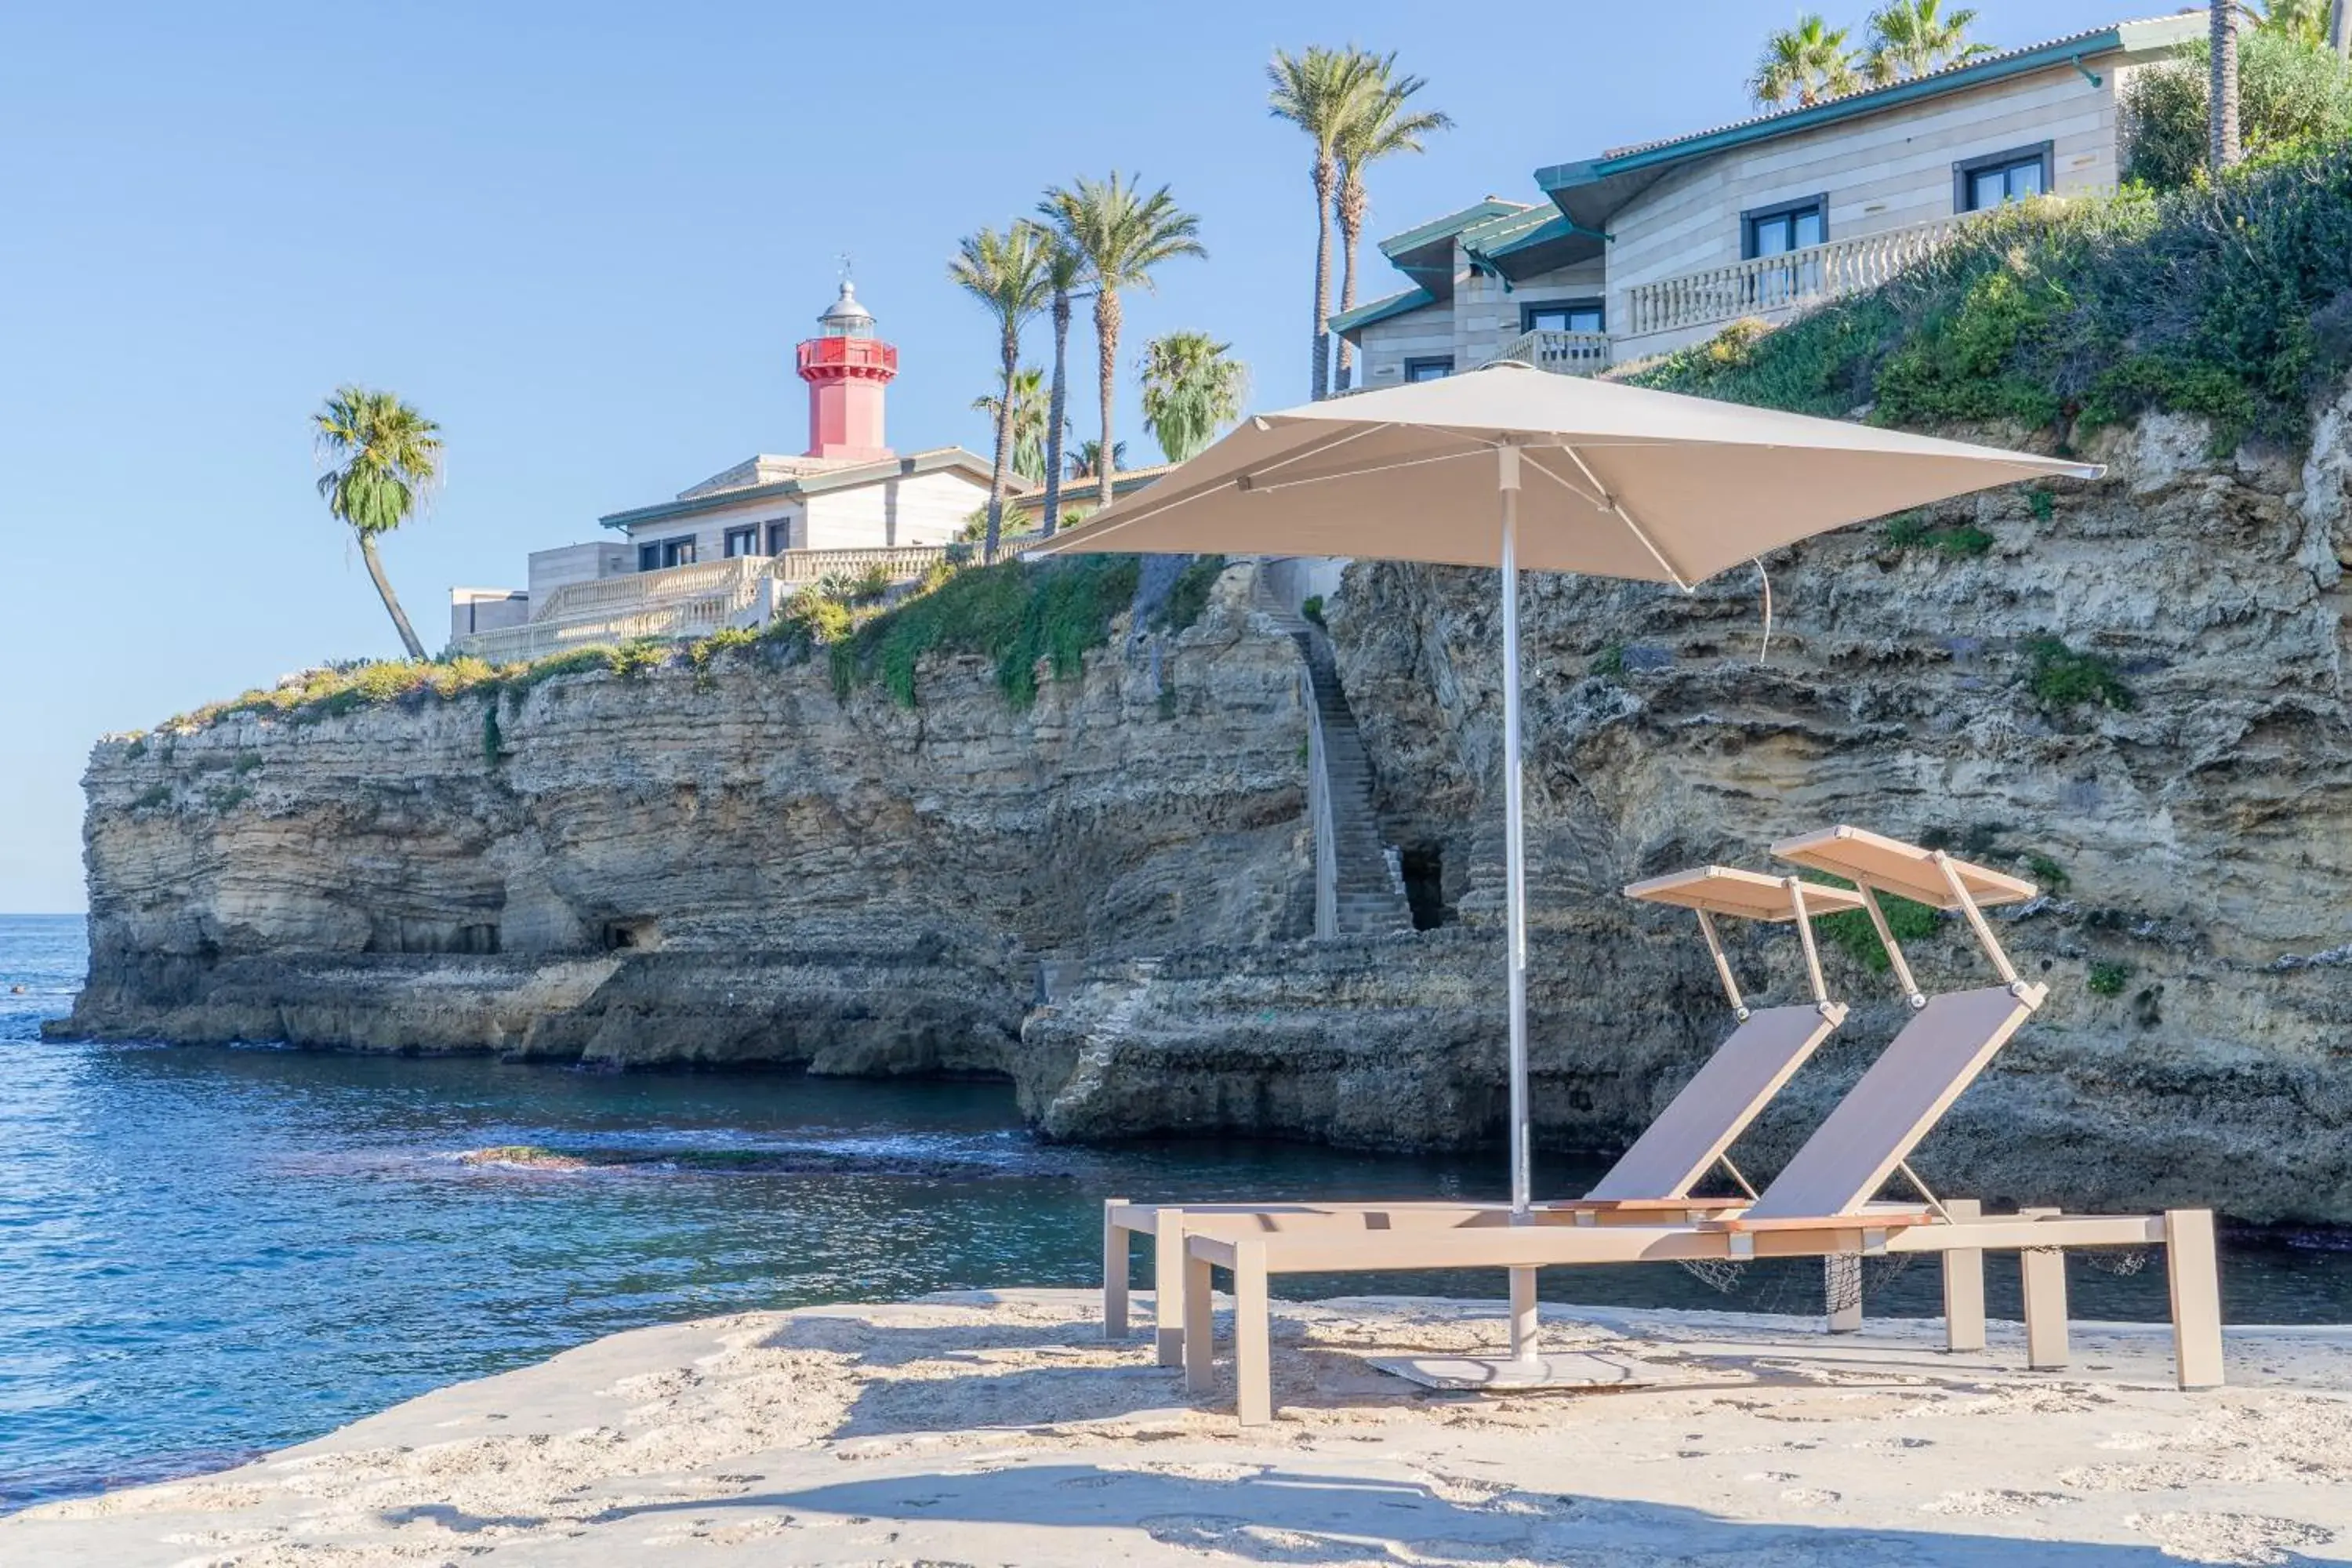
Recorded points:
(1615, 481)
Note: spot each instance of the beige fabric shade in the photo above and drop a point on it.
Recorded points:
(1616, 480)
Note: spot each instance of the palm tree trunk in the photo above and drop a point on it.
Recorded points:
(997, 474)
(1054, 411)
(2339, 28)
(2223, 121)
(1320, 381)
(1107, 374)
(1351, 225)
(391, 599)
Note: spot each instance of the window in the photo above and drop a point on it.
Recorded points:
(1982, 184)
(742, 541)
(1791, 226)
(663, 553)
(1437, 369)
(1562, 316)
(780, 537)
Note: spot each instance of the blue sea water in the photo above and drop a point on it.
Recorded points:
(205, 1252)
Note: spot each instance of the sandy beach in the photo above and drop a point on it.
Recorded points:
(999, 1428)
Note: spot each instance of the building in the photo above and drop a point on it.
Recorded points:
(732, 549)
(1648, 248)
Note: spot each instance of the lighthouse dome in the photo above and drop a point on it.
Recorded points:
(846, 318)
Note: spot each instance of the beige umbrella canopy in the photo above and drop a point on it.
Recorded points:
(1513, 467)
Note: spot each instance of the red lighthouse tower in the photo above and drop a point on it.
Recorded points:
(846, 368)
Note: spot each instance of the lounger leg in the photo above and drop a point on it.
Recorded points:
(1523, 1315)
(1114, 1274)
(2042, 1272)
(1842, 1290)
(1169, 1294)
(1964, 1309)
(1200, 1338)
(2196, 1280)
(1252, 1373)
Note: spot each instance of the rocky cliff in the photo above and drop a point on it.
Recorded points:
(2132, 691)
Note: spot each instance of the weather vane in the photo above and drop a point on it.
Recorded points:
(845, 266)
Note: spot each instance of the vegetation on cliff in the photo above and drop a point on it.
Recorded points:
(2231, 299)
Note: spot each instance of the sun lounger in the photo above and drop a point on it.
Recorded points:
(1824, 1203)
(1651, 1181)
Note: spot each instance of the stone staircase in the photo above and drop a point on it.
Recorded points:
(1360, 888)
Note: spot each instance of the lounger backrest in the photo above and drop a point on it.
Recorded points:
(1717, 1105)
(1882, 1119)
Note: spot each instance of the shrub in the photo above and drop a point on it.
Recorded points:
(1188, 596)
(1311, 607)
(1610, 661)
(2060, 677)
(700, 653)
(150, 797)
(1011, 612)
(135, 750)
(229, 799)
(494, 743)
(246, 762)
(2290, 96)
(2051, 875)
(1908, 530)
(1851, 931)
(638, 656)
(2041, 503)
(2108, 979)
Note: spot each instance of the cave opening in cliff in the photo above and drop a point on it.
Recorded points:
(631, 935)
(1424, 867)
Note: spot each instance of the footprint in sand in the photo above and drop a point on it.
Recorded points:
(2246, 1538)
(1809, 1497)
(1771, 1478)
(1994, 1502)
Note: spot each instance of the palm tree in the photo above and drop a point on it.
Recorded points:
(1190, 391)
(1006, 272)
(1380, 127)
(1122, 234)
(383, 456)
(1807, 62)
(1028, 421)
(1086, 458)
(1066, 270)
(2307, 22)
(1319, 90)
(2221, 100)
(1912, 37)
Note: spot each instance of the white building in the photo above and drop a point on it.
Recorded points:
(731, 550)
(1648, 248)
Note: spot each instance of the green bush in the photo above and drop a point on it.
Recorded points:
(2046, 871)
(2290, 96)
(1188, 597)
(2231, 299)
(150, 797)
(1851, 931)
(135, 750)
(1311, 607)
(639, 657)
(2060, 678)
(229, 799)
(246, 762)
(493, 741)
(1909, 530)
(1610, 661)
(1014, 614)
(2108, 979)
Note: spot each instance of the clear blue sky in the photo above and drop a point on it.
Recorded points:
(585, 239)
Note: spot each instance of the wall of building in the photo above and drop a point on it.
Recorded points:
(709, 529)
(1886, 172)
(475, 610)
(1427, 332)
(922, 509)
(551, 569)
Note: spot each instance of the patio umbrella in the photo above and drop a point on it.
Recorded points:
(1513, 467)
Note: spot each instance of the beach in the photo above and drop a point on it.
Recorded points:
(1000, 1429)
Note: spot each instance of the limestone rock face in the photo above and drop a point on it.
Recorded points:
(735, 867)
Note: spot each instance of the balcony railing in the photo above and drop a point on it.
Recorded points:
(1773, 283)
(1565, 353)
(900, 564)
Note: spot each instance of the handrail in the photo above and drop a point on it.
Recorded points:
(899, 562)
(1563, 353)
(737, 572)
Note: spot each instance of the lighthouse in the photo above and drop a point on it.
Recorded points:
(848, 369)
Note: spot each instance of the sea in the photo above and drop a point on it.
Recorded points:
(209, 1252)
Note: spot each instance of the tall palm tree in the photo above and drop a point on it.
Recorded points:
(1912, 37)
(2307, 22)
(1381, 127)
(1028, 423)
(1318, 91)
(1806, 62)
(1192, 389)
(1123, 233)
(1086, 458)
(1006, 271)
(2221, 93)
(383, 457)
(1065, 272)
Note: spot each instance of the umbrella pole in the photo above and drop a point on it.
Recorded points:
(1514, 901)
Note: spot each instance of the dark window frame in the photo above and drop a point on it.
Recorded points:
(1754, 216)
(780, 536)
(1964, 170)
(1427, 361)
(659, 551)
(748, 533)
(1531, 310)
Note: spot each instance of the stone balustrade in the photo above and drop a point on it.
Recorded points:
(1564, 353)
(900, 563)
(1775, 283)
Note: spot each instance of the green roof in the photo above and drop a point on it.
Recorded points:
(1449, 226)
(1381, 310)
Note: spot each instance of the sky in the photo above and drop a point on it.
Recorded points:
(585, 237)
